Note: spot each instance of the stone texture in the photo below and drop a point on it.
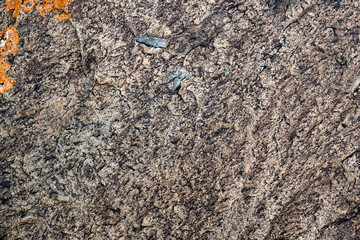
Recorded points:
(261, 143)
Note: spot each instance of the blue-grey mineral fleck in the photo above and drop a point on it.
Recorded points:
(152, 42)
(179, 76)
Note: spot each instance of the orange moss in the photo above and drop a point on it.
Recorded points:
(8, 45)
(43, 6)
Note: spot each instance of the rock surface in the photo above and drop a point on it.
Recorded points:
(262, 142)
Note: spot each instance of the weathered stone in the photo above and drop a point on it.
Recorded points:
(93, 145)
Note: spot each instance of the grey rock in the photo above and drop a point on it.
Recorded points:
(93, 146)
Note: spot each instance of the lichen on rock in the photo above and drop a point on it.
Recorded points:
(44, 7)
(10, 38)
(8, 45)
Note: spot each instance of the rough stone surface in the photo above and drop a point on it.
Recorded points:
(262, 142)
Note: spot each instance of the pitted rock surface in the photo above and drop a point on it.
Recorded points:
(94, 145)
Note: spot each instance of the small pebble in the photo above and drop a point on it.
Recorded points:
(179, 76)
(155, 43)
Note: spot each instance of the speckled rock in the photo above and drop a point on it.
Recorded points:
(262, 142)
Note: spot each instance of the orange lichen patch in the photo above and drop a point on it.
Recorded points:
(9, 38)
(14, 5)
(43, 6)
(8, 45)
(62, 17)
(6, 83)
(49, 5)
(17, 5)
(9, 41)
(28, 5)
